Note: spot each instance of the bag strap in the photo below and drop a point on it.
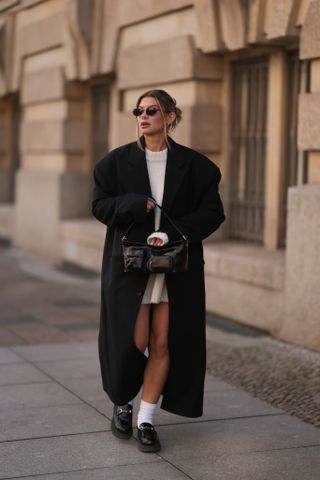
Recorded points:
(167, 216)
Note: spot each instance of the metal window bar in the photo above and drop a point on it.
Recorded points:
(248, 150)
(295, 161)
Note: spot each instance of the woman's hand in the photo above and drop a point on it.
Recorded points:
(155, 241)
(151, 204)
(158, 239)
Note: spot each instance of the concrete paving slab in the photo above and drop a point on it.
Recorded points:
(16, 373)
(58, 351)
(195, 447)
(106, 408)
(18, 318)
(84, 334)
(222, 404)
(88, 389)
(215, 384)
(165, 418)
(71, 369)
(71, 452)
(50, 421)
(8, 356)
(218, 404)
(157, 470)
(8, 338)
(34, 395)
(36, 332)
(41, 270)
(64, 320)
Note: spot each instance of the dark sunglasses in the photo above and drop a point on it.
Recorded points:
(149, 111)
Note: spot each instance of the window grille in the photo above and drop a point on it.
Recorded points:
(248, 149)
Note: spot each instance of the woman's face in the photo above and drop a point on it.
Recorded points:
(150, 125)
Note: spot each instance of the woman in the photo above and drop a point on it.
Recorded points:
(162, 312)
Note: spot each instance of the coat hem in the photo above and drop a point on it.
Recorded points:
(177, 411)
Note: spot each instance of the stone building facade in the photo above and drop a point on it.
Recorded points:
(246, 74)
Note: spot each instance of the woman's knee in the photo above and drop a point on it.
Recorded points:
(158, 345)
(159, 330)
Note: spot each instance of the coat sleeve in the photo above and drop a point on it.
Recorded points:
(208, 213)
(107, 205)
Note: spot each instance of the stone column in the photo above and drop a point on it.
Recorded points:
(301, 323)
(53, 183)
(302, 294)
(275, 147)
(49, 64)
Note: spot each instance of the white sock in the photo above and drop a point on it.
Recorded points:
(146, 412)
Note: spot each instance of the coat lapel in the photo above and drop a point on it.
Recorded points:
(139, 178)
(175, 171)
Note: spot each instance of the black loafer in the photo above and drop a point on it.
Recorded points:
(148, 439)
(121, 423)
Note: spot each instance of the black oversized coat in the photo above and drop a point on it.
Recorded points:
(192, 200)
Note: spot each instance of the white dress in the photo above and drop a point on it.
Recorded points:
(156, 289)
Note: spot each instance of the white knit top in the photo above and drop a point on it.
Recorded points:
(156, 289)
(156, 163)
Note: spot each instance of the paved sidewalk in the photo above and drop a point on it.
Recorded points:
(41, 303)
(55, 417)
(55, 424)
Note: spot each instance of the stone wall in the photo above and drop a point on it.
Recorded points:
(302, 306)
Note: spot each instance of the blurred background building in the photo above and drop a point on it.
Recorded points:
(247, 77)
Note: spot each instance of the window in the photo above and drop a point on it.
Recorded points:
(100, 120)
(248, 149)
(10, 118)
(16, 119)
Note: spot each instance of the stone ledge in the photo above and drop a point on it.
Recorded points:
(43, 85)
(310, 34)
(42, 34)
(277, 18)
(133, 12)
(176, 60)
(6, 220)
(246, 264)
(82, 242)
(68, 135)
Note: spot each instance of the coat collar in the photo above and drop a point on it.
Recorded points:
(175, 171)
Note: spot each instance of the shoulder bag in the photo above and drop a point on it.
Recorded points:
(142, 257)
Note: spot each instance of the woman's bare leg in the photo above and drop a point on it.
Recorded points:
(157, 367)
(141, 329)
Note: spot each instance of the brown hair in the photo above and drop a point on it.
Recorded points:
(167, 104)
